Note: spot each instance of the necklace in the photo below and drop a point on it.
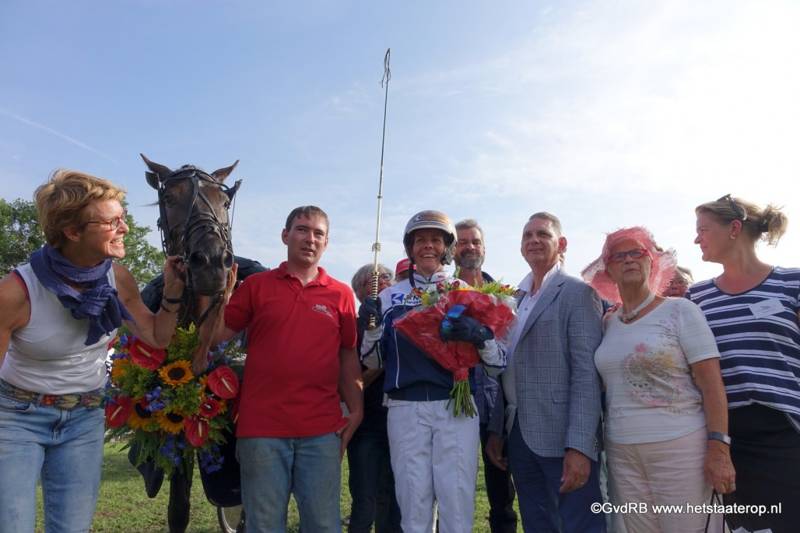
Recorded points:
(628, 317)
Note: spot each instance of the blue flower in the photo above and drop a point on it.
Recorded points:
(210, 460)
(212, 468)
(153, 394)
(171, 450)
(155, 405)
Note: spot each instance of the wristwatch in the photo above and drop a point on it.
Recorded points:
(722, 437)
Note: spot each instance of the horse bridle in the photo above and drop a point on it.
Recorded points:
(195, 221)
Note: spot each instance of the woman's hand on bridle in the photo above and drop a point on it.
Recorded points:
(174, 276)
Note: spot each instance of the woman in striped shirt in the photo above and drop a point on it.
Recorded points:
(752, 309)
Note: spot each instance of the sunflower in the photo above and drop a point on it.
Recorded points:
(141, 418)
(170, 422)
(176, 373)
(119, 369)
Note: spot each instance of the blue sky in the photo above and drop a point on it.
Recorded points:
(607, 114)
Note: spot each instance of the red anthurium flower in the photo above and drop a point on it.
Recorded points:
(146, 356)
(196, 431)
(223, 382)
(117, 411)
(209, 407)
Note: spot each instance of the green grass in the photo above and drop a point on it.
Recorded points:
(124, 507)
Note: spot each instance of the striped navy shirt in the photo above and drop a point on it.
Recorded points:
(758, 338)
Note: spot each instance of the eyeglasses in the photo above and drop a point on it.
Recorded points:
(741, 214)
(113, 224)
(619, 257)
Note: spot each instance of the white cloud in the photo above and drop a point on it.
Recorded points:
(609, 114)
(623, 114)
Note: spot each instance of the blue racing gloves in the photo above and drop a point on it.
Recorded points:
(458, 327)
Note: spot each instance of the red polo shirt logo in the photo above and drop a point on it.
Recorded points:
(322, 308)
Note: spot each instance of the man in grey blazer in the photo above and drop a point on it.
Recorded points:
(550, 406)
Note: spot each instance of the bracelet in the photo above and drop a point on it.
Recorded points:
(164, 307)
(172, 300)
(722, 437)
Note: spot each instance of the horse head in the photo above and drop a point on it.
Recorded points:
(193, 220)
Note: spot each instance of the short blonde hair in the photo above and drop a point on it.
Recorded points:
(60, 202)
(768, 224)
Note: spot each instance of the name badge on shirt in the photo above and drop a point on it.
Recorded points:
(766, 308)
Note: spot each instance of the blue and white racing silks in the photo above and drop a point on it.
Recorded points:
(410, 373)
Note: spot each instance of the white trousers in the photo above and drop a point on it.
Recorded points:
(662, 473)
(434, 458)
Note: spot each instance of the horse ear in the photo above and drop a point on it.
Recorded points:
(158, 172)
(223, 173)
(232, 191)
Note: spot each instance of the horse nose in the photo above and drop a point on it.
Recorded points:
(198, 259)
(227, 260)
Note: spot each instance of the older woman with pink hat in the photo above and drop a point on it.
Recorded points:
(666, 413)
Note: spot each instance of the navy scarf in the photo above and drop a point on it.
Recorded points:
(99, 303)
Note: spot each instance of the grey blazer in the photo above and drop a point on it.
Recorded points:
(557, 385)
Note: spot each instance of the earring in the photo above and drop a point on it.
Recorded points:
(733, 237)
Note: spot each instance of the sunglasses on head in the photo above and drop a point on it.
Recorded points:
(741, 214)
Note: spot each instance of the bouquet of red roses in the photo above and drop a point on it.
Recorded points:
(491, 304)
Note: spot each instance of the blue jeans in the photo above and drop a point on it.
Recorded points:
(372, 483)
(65, 448)
(274, 468)
(542, 507)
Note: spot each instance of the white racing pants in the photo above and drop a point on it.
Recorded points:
(434, 458)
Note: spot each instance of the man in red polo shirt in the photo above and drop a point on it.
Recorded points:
(301, 356)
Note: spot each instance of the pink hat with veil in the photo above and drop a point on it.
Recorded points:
(662, 268)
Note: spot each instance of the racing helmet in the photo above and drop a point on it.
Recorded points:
(431, 219)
